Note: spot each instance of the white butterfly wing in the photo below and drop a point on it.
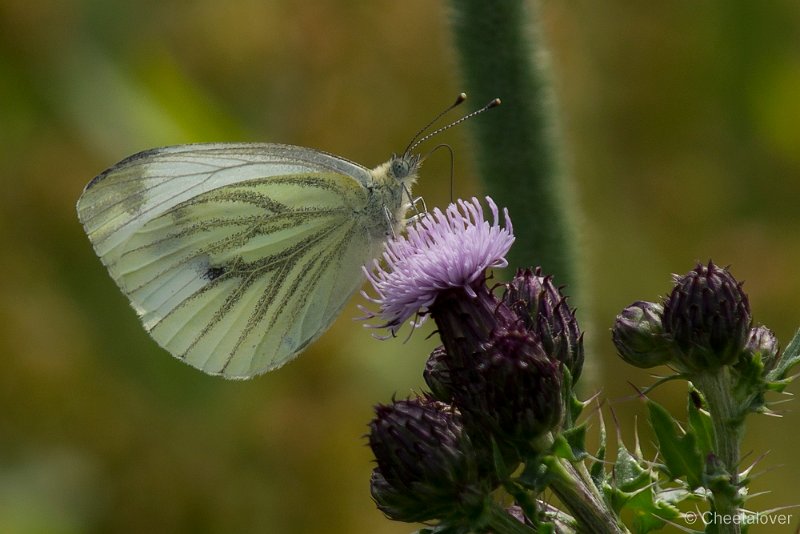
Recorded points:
(235, 256)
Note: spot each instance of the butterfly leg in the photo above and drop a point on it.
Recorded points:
(421, 202)
(419, 207)
(389, 220)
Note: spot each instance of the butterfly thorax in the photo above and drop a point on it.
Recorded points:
(390, 193)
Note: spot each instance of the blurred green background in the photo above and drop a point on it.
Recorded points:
(682, 127)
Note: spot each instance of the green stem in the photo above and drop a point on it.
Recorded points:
(517, 153)
(501, 522)
(564, 523)
(725, 417)
(583, 500)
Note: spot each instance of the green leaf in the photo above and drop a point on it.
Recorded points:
(597, 470)
(576, 438)
(749, 383)
(571, 444)
(682, 457)
(535, 476)
(500, 467)
(628, 474)
(616, 498)
(573, 404)
(778, 386)
(700, 425)
(649, 507)
(717, 479)
(787, 360)
(649, 512)
(562, 449)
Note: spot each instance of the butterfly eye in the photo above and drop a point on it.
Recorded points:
(400, 168)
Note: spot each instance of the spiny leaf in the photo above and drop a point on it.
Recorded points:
(700, 424)
(628, 474)
(649, 512)
(562, 449)
(597, 470)
(576, 438)
(575, 405)
(681, 454)
(536, 476)
(789, 358)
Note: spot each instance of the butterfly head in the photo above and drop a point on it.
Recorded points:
(403, 168)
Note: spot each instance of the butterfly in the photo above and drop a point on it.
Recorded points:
(237, 256)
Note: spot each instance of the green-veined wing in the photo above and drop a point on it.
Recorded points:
(236, 256)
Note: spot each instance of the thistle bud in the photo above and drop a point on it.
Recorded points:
(437, 375)
(426, 464)
(638, 335)
(707, 315)
(762, 341)
(545, 312)
(512, 391)
(466, 321)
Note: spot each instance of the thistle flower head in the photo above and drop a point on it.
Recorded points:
(426, 464)
(442, 250)
(761, 340)
(544, 311)
(707, 315)
(510, 390)
(639, 337)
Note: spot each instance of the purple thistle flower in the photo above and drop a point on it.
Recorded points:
(442, 250)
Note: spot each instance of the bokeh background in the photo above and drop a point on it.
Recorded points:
(682, 128)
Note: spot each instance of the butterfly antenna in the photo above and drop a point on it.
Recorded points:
(449, 149)
(459, 100)
(415, 143)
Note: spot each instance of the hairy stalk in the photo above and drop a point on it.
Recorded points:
(516, 146)
(726, 419)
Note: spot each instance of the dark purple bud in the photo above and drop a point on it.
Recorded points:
(466, 319)
(707, 316)
(545, 312)
(512, 391)
(639, 337)
(427, 467)
(437, 375)
(762, 341)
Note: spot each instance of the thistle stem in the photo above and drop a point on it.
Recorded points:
(583, 500)
(725, 417)
(501, 521)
